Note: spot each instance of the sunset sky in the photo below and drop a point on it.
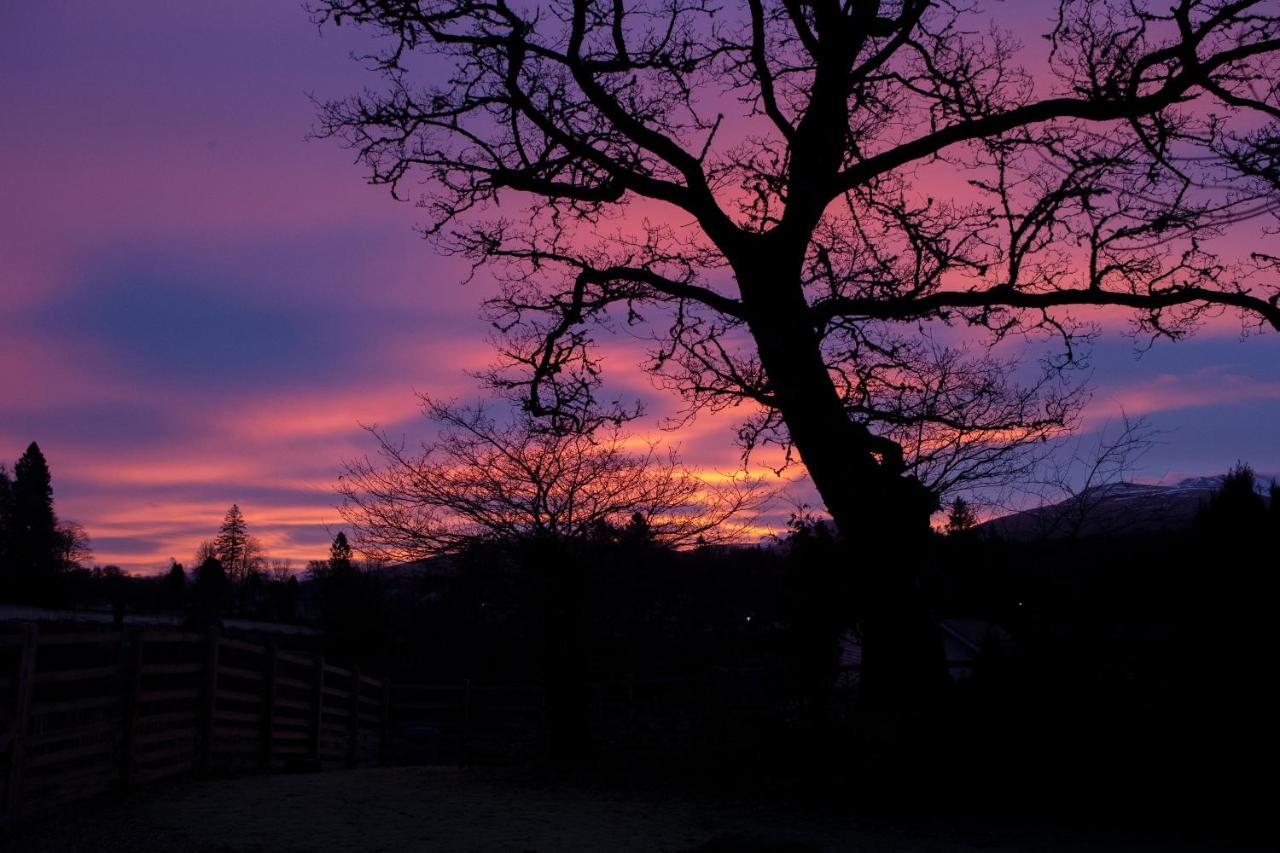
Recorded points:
(198, 306)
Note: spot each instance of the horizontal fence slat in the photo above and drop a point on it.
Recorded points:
(86, 638)
(299, 660)
(237, 716)
(295, 722)
(48, 738)
(169, 754)
(172, 637)
(46, 759)
(305, 707)
(176, 695)
(237, 695)
(241, 645)
(88, 704)
(149, 738)
(147, 720)
(87, 674)
(84, 774)
(171, 668)
(281, 734)
(238, 672)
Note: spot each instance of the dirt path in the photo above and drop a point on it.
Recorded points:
(443, 810)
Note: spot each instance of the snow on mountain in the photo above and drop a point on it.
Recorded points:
(1116, 509)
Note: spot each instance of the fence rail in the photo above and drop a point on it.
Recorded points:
(87, 712)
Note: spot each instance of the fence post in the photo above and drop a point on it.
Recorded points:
(317, 710)
(269, 665)
(384, 747)
(210, 698)
(466, 720)
(131, 652)
(630, 736)
(22, 717)
(353, 723)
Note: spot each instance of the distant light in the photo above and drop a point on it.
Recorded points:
(748, 618)
(1019, 603)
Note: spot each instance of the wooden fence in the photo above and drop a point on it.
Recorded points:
(88, 712)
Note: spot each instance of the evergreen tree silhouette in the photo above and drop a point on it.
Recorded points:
(290, 604)
(239, 553)
(340, 559)
(35, 537)
(1235, 512)
(352, 611)
(960, 517)
(6, 532)
(174, 588)
(212, 592)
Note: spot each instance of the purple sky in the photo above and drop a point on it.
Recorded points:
(198, 306)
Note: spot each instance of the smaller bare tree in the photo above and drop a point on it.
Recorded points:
(74, 547)
(485, 481)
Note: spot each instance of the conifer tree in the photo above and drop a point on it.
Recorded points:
(6, 524)
(212, 590)
(340, 554)
(960, 517)
(34, 537)
(174, 588)
(239, 552)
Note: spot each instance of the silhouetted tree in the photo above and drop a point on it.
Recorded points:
(74, 546)
(1233, 588)
(241, 556)
(340, 558)
(239, 552)
(211, 592)
(1273, 508)
(34, 541)
(290, 604)
(8, 528)
(206, 549)
(804, 242)
(1236, 510)
(173, 591)
(352, 610)
(484, 481)
(960, 518)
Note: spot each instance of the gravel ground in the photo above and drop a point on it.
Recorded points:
(429, 809)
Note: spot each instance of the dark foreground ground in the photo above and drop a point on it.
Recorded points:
(442, 809)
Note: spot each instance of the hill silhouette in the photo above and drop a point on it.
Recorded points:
(1115, 509)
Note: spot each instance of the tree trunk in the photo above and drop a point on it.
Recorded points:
(881, 512)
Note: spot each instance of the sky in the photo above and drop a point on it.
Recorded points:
(200, 306)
